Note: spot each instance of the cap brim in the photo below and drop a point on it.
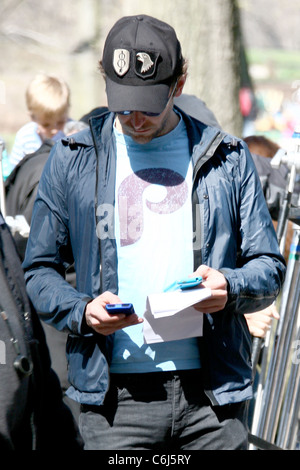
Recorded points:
(148, 98)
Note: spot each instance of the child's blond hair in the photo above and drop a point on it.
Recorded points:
(48, 96)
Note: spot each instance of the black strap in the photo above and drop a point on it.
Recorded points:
(261, 444)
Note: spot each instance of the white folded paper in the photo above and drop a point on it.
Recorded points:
(170, 315)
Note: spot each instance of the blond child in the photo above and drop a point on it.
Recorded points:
(48, 103)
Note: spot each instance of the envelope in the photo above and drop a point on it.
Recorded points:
(171, 316)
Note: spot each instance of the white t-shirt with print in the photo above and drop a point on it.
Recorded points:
(153, 228)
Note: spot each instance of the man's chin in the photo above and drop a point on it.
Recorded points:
(141, 138)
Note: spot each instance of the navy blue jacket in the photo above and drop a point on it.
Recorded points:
(73, 220)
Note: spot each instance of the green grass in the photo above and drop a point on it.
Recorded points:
(283, 65)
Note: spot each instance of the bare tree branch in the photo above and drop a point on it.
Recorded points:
(20, 34)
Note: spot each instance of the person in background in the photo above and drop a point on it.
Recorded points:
(274, 181)
(145, 196)
(21, 189)
(22, 183)
(48, 103)
(33, 415)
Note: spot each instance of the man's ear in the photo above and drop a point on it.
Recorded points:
(180, 85)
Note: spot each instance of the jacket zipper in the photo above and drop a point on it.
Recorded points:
(96, 204)
(203, 158)
(206, 154)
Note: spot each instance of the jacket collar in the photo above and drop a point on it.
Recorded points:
(201, 136)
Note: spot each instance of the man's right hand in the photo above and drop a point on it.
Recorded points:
(104, 323)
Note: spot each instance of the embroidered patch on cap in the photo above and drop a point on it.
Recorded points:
(121, 61)
(145, 64)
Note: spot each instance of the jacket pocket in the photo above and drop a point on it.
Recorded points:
(87, 365)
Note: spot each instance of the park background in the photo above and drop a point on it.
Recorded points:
(243, 56)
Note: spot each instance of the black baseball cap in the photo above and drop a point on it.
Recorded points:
(141, 58)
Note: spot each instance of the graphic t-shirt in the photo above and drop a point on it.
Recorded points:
(153, 220)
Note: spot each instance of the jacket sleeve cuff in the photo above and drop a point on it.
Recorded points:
(79, 325)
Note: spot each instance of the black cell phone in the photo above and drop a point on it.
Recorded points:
(120, 308)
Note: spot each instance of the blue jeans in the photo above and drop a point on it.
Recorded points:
(162, 411)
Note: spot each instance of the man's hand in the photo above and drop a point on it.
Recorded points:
(103, 322)
(260, 322)
(218, 285)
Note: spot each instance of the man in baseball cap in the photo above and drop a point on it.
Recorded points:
(145, 197)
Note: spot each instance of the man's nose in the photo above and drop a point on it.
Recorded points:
(137, 119)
